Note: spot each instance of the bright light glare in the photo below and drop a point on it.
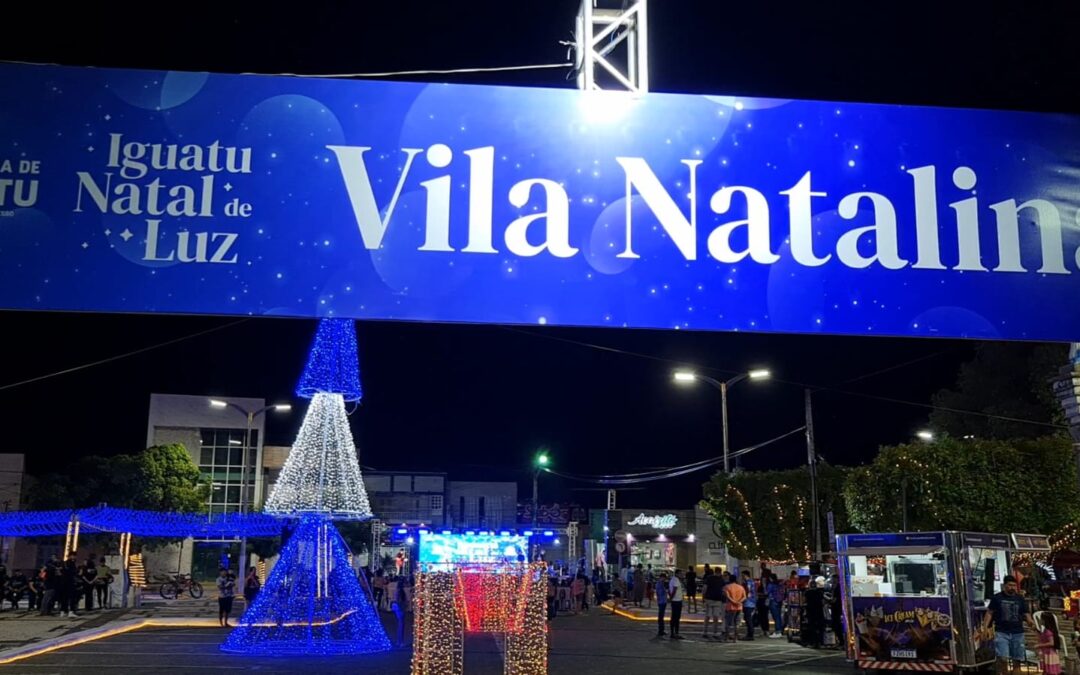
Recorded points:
(214, 403)
(925, 435)
(605, 107)
(759, 374)
(283, 407)
(685, 376)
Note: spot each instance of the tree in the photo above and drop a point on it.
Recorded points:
(767, 515)
(160, 478)
(983, 485)
(1004, 379)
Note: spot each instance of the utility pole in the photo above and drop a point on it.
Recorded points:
(811, 460)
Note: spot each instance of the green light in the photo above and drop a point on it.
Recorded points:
(542, 459)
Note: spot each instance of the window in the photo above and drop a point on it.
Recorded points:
(206, 456)
(436, 503)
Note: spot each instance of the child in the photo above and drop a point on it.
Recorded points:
(1048, 645)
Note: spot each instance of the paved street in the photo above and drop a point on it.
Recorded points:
(582, 645)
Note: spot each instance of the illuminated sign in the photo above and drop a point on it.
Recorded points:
(472, 548)
(197, 193)
(665, 522)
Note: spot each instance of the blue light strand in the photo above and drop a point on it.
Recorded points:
(333, 366)
(140, 523)
(312, 604)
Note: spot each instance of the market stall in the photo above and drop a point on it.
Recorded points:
(917, 600)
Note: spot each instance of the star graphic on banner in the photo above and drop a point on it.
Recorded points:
(86, 245)
(108, 232)
(228, 187)
(126, 234)
(108, 117)
(90, 149)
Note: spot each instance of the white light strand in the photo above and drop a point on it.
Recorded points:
(322, 472)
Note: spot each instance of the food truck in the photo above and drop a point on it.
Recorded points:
(917, 600)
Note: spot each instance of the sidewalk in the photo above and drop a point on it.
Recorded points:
(19, 628)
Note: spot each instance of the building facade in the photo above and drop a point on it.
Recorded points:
(12, 468)
(216, 438)
(662, 538)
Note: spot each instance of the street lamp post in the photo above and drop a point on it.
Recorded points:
(250, 416)
(686, 377)
(539, 464)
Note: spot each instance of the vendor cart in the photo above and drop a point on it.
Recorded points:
(917, 600)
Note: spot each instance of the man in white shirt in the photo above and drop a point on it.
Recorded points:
(676, 591)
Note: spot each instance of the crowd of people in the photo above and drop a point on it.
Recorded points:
(58, 586)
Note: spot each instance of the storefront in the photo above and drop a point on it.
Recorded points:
(662, 538)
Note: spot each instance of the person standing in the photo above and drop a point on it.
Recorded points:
(661, 588)
(650, 586)
(691, 589)
(103, 583)
(676, 594)
(251, 586)
(50, 582)
(226, 584)
(776, 605)
(68, 590)
(37, 589)
(714, 603)
(1009, 613)
(763, 602)
(735, 596)
(638, 584)
(577, 593)
(87, 575)
(749, 603)
(378, 588)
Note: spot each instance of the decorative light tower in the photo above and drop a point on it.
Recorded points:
(313, 602)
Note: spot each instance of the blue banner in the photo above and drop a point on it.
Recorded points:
(138, 191)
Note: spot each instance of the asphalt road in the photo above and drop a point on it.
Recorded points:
(582, 645)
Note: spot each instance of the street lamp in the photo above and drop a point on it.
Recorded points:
(925, 435)
(250, 415)
(540, 463)
(688, 377)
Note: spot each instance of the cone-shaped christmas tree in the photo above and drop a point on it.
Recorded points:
(312, 603)
(322, 472)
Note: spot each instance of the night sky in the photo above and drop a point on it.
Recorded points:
(477, 401)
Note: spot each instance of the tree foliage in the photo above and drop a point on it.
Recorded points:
(767, 515)
(982, 485)
(160, 478)
(1004, 379)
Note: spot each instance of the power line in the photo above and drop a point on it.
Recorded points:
(117, 357)
(673, 472)
(444, 71)
(803, 385)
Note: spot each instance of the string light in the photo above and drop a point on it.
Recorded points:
(312, 604)
(322, 472)
(332, 365)
(140, 523)
(136, 570)
(438, 626)
(526, 647)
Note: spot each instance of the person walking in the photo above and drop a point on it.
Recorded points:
(251, 586)
(661, 589)
(676, 595)
(735, 596)
(577, 593)
(1009, 613)
(1048, 645)
(226, 584)
(399, 603)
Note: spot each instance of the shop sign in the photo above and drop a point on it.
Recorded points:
(664, 522)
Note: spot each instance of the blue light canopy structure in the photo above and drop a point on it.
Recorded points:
(312, 604)
(332, 365)
(139, 523)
